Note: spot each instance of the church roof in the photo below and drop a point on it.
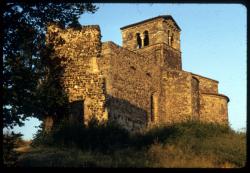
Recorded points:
(162, 16)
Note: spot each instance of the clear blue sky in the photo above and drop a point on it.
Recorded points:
(213, 44)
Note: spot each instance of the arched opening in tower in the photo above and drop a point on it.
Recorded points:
(154, 107)
(146, 38)
(169, 38)
(139, 42)
(172, 40)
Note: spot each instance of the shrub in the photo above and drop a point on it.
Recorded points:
(229, 148)
(103, 137)
(189, 144)
(42, 139)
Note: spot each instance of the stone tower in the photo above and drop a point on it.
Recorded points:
(78, 50)
(159, 35)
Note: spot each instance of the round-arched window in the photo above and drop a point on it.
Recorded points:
(146, 38)
(138, 39)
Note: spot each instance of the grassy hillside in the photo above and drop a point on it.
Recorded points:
(181, 145)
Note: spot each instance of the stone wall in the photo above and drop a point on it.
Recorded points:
(214, 108)
(159, 31)
(195, 98)
(154, 28)
(171, 31)
(177, 95)
(131, 80)
(78, 51)
(163, 55)
(172, 58)
(207, 85)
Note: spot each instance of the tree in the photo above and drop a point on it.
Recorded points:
(30, 85)
(10, 156)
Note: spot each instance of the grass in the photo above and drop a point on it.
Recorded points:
(183, 145)
(66, 157)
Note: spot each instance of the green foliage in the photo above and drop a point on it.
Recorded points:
(212, 144)
(227, 147)
(103, 137)
(42, 139)
(185, 131)
(10, 156)
(30, 82)
(189, 144)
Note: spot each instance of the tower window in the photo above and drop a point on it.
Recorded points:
(172, 39)
(169, 38)
(138, 39)
(152, 108)
(146, 38)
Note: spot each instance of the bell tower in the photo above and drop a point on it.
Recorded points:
(160, 34)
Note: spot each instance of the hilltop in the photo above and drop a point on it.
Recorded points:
(187, 144)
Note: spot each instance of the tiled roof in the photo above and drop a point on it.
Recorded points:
(162, 16)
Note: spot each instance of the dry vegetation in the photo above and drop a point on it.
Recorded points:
(181, 145)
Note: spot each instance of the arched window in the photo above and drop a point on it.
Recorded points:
(138, 39)
(154, 107)
(169, 38)
(172, 39)
(146, 38)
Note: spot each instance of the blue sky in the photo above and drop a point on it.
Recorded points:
(213, 44)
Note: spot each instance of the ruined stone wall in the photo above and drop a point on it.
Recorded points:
(130, 83)
(214, 108)
(78, 50)
(207, 85)
(177, 94)
(163, 55)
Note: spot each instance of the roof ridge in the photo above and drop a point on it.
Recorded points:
(153, 18)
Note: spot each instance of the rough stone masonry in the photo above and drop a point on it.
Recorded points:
(140, 84)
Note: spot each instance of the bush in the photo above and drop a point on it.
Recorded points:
(189, 144)
(184, 130)
(102, 137)
(229, 148)
(42, 138)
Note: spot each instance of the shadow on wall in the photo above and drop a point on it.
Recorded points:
(120, 111)
(126, 114)
(76, 111)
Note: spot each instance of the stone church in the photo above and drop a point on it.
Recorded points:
(140, 84)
